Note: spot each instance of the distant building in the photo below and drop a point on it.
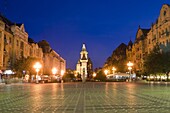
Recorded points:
(84, 65)
(51, 59)
(117, 59)
(139, 48)
(129, 51)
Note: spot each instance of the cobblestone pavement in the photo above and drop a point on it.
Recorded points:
(89, 97)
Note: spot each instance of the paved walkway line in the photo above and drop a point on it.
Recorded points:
(80, 101)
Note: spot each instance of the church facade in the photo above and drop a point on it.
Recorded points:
(84, 67)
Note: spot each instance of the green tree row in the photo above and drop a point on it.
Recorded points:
(157, 62)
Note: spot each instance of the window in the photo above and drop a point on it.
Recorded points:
(22, 45)
(129, 47)
(17, 43)
(5, 40)
(154, 37)
(10, 40)
(162, 32)
(0, 34)
(159, 34)
(167, 33)
(164, 13)
(30, 52)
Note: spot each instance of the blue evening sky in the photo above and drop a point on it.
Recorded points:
(66, 24)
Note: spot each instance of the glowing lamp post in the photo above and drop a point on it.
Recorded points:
(75, 74)
(130, 64)
(106, 72)
(94, 75)
(37, 67)
(130, 68)
(113, 69)
(54, 71)
(62, 73)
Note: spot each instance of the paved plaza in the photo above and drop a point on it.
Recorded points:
(90, 97)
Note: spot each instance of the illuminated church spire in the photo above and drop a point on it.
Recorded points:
(83, 47)
(82, 64)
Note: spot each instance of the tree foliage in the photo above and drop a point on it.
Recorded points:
(117, 59)
(157, 62)
(100, 76)
(25, 64)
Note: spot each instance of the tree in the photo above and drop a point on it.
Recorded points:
(68, 77)
(100, 76)
(166, 63)
(157, 62)
(25, 64)
(117, 59)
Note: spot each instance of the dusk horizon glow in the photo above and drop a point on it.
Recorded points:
(66, 25)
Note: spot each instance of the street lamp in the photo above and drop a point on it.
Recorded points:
(62, 73)
(130, 64)
(130, 68)
(106, 72)
(37, 67)
(113, 69)
(94, 75)
(75, 74)
(54, 70)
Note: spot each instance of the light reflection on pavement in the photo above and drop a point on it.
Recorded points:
(90, 97)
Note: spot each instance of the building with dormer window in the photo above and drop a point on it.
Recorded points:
(146, 39)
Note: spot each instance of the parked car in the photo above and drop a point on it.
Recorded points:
(45, 78)
(56, 78)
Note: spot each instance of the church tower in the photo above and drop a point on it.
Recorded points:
(81, 67)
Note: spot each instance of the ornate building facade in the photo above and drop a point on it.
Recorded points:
(146, 39)
(15, 44)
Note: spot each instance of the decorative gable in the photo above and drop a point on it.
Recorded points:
(22, 28)
(164, 13)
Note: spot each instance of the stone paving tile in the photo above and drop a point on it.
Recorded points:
(85, 98)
